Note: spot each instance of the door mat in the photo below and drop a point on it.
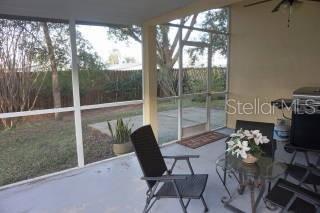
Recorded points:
(202, 139)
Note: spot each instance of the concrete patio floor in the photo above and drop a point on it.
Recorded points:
(114, 186)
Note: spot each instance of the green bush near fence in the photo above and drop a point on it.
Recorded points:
(115, 86)
(128, 82)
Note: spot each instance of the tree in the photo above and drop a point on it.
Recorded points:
(216, 20)
(58, 54)
(88, 59)
(167, 55)
(129, 60)
(28, 51)
(56, 94)
(167, 46)
(19, 79)
(114, 57)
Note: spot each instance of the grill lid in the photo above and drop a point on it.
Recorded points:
(307, 92)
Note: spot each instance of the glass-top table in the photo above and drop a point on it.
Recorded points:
(248, 175)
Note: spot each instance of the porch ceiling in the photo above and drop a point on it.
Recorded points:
(105, 11)
(108, 11)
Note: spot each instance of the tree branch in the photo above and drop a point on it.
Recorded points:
(186, 37)
(176, 38)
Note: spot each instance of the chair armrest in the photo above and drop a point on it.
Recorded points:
(181, 157)
(301, 194)
(300, 149)
(227, 140)
(165, 178)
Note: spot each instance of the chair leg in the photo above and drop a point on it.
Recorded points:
(150, 196)
(146, 207)
(204, 204)
(315, 188)
(269, 186)
(190, 167)
(182, 205)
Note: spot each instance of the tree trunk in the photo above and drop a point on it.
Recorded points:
(54, 71)
(167, 57)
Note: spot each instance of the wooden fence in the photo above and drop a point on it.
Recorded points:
(113, 86)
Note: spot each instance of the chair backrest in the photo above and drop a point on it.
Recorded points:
(266, 129)
(148, 153)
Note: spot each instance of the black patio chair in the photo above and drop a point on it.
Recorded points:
(303, 141)
(294, 198)
(298, 171)
(160, 180)
(269, 149)
(266, 129)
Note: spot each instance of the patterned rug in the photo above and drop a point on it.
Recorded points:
(202, 139)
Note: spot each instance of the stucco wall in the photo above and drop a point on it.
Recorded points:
(268, 60)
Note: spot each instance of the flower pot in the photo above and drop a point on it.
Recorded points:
(250, 159)
(122, 148)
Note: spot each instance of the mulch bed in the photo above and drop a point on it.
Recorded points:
(96, 146)
(202, 139)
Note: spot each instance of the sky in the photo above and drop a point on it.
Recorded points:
(97, 36)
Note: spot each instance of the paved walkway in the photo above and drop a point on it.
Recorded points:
(168, 121)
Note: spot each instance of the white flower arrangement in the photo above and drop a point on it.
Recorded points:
(245, 142)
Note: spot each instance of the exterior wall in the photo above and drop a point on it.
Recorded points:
(268, 60)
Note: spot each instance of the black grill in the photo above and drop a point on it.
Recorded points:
(305, 125)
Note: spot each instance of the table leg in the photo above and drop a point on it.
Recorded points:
(255, 202)
(261, 193)
(224, 182)
(242, 184)
(252, 196)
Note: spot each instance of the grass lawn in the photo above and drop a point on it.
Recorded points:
(173, 104)
(36, 148)
(42, 146)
